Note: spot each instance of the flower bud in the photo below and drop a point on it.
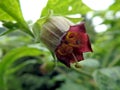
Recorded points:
(52, 31)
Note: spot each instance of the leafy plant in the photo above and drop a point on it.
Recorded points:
(27, 65)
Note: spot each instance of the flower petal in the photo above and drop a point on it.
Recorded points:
(79, 27)
(73, 57)
(79, 38)
(73, 44)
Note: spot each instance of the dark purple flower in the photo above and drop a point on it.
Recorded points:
(73, 44)
(67, 40)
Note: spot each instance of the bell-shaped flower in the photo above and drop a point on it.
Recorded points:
(65, 39)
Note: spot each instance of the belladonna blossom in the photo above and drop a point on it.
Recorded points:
(66, 40)
(73, 44)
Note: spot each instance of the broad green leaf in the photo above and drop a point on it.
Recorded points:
(15, 54)
(10, 11)
(115, 6)
(5, 16)
(89, 64)
(10, 58)
(75, 19)
(69, 85)
(108, 79)
(17, 68)
(66, 7)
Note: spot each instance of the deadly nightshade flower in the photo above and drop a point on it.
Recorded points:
(66, 40)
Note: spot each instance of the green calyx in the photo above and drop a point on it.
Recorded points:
(38, 25)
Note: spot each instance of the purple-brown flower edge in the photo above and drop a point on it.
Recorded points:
(73, 44)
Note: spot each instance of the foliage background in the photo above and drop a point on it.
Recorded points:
(27, 65)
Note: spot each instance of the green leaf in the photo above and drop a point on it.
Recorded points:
(17, 68)
(108, 79)
(66, 7)
(10, 58)
(2, 31)
(115, 6)
(5, 16)
(69, 85)
(89, 64)
(8, 27)
(10, 11)
(74, 19)
(5, 32)
(15, 54)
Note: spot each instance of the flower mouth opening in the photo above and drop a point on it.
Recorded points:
(73, 39)
(73, 44)
(64, 49)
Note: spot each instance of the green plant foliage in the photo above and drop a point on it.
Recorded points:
(38, 24)
(115, 6)
(89, 64)
(11, 57)
(11, 11)
(66, 7)
(108, 79)
(17, 53)
(72, 86)
(25, 63)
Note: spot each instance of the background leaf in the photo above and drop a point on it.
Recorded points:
(13, 55)
(115, 6)
(11, 11)
(66, 7)
(10, 58)
(108, 79)
(32, 67)
(69, 85)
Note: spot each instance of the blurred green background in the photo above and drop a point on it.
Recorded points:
(28, 65)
